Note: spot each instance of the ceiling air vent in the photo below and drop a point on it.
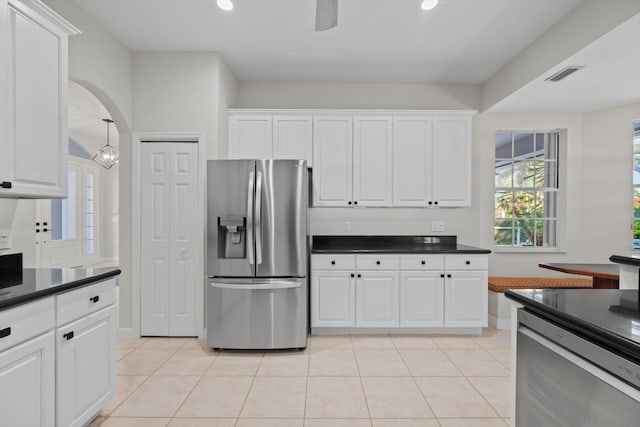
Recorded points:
(562, 74)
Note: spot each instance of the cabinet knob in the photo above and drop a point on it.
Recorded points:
(430, 202)
(359, 276)
(349, 202)
(353, 275)
(435, 203)
(333, 263)
(377, 262)
(467, 262)
(95, 299)
(448, 275)
(68, 335)
(5, 184)
(5, 332)
(423, 262)
(442, 275)
(355, 203)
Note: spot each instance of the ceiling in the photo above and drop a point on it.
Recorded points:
(375, 41)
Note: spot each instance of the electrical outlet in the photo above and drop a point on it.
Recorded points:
(437, 225)
(5, 242)
(347, 226)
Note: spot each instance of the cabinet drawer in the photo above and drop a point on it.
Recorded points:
(26, 321)
(333, 262)
(377, 262)
(422, 262)
(466, 262)
(80, 302)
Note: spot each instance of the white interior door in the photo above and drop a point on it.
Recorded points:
(170, 260)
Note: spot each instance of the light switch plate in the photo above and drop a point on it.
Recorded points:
(5, 239)
(437, 225)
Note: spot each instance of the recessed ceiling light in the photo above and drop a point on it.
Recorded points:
(224, 4)
(429, 4)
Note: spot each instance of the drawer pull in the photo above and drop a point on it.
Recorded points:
(68, 335)
(423, 262)
(448, 275)
(467, 262)
(5, 332)
(333, 263)
(442, 275)
(95, 299)
(5, 184)
(359, 276)
(377, 262)
(353, 275)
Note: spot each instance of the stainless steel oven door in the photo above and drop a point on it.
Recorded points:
(557, 387)
(257, 313)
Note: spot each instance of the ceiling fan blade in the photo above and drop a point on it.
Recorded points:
(326, 14)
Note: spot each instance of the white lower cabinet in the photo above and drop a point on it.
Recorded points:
(27, 359)
(332, 298)
(85, 352)
(405, 292)
(421, 299)
(466, 299)
(377, 294)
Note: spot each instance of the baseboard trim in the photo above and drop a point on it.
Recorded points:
(127, 334)
(499, 323)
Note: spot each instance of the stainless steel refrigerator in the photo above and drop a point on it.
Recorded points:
(257, 254)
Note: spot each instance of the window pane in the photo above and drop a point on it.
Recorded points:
(89, 220)
(503, 204)
(525, 174)
(541, 139)
(63, 212)
(528, 204)
(89, 193)
(503, 232)
(503, 145)
(523, 145)
(527, 232)
(89, 180)
(89, 246)
(504, 174)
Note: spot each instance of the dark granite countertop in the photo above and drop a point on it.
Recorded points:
(31, 284)
(392, 244)
(609, 317)
(628, 260)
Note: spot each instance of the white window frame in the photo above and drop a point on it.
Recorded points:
(560, 195)
(635, 243)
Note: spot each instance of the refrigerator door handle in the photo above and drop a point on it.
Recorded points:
(259, 218)
(258, 286)
(250, 218)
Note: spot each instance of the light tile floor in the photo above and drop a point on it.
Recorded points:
(357, 380)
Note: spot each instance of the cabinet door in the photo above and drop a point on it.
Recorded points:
(250, 137)
(27, 383)
(292, 138)
(377, 299)
(85, 366)
(412, 151)
(465, 296)
(452, 161)
(372, 166)
(332, 298)
(332, 158)
(38, 142)
(421, 299)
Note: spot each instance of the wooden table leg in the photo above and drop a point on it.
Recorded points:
(601, 283)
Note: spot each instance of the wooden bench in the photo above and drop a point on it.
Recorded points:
(499, 307)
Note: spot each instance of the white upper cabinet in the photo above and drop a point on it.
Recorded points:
(452, 161)
(250, 137)
(292, 138)
(34, 100)
(270, 136)
(412, 153)
(372, 151)
(432, 161)
(332, 155)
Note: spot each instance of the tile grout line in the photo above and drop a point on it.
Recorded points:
(364, 393)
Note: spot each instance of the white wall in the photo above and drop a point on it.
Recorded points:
(181, 92)
(227, 95)
(352, 95)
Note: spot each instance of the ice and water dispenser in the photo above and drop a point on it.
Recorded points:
(232, 232)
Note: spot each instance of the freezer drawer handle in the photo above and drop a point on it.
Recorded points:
(5, 332)
(258, 286)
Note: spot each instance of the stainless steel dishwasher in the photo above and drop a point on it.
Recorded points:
(563, 379)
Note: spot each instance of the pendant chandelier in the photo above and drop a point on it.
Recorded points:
(107, 156)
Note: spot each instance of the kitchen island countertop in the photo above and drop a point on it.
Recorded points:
(35, 283)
